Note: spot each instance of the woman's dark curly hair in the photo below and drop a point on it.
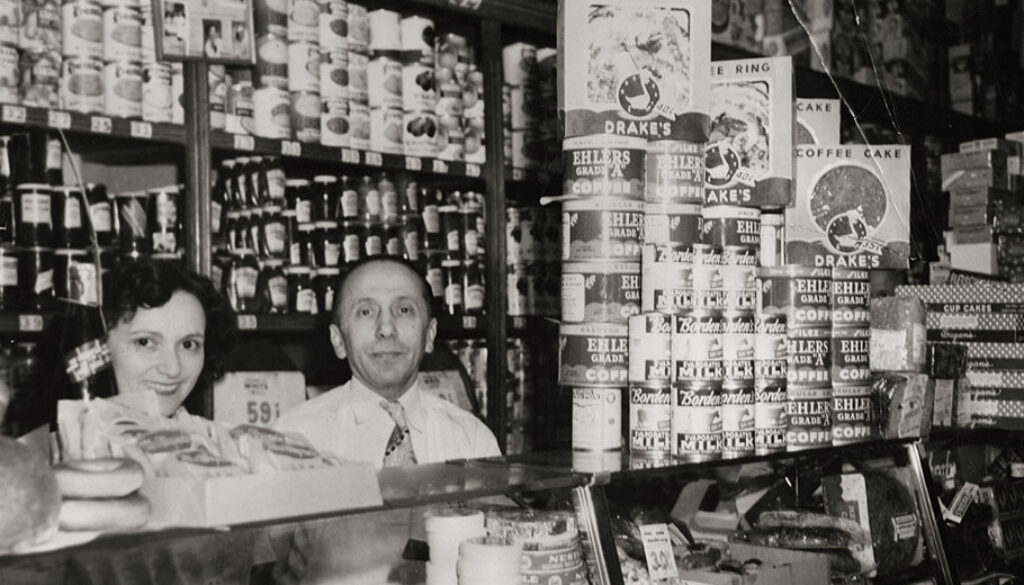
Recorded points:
(145, 285)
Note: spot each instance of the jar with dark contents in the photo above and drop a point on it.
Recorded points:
(301, 297)
(473, 290)
(451, 229)
(101, 213)
(272, 287)
(470, 236)
(33, 215)
(374, 239)
(353, 234)
(325, 285)
(332, 242)
(220, 265)
(259, 181)
(255, 228)
(252, 185)
(434, 275)
(326, 197)
(389, 203)
(35, 277)
(241, 281)
(300, 198)
(10, 300)
(165, 220)
(7, 219)
(274, 236)
(242, 183)
(451, 276)
(231, 231)
(412, 237)
(408, 193)
(133, 221)
(301, 251)
(70, 225)
(74, 276)
(348, 207)
(430, 211)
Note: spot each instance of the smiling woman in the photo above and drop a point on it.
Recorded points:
(168, 332)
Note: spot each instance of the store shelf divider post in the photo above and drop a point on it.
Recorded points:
(197, 167)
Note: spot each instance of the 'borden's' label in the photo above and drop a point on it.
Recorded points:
(697, 347)
(769, 416)
(666, 285)
(696, 421)
(737, 412)
(593, 354)
(650, 419)
(650, 348)
(604, 165)
(738, 346)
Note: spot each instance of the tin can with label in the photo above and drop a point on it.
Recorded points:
(334, 75)
(451, 142)
(650, 420)
(384, 81)
(272, 113)
(851, 298)
(271, 62)
(303, 21)
(739, 278)
(602, 229)
(303, 67)
(165, 226)
(730, 226)
(773, 239)
(81, 85)
(35, 277)
(386, 130)
(808, 418)
(666, 285)
(697, 420)
(672, 223)
(359, 125)
(10, 74)
(771, 347)
(418, 87)
(305, 111)
(385, 30)
(122, 33)
(707, 277)
(593, 354)
(604, 166)
(358, 88)
(803, 294)
(122, 82)
(738, 346)
(271, 17)
(33, 215)
(10, 292)
(417, 33)
(854, 415)
(600, 292)
(45, 36)
(358, 28)
(697, 346)
(596, 419)
(809, 358)
(674, 172)
(770, 399)
(70, 223)
(40, 78)
(650, 349)
(156, 93)
(738, 412)
(419, 134)
(850, 355)
(333, 23)
(81, 29)
(334, 126)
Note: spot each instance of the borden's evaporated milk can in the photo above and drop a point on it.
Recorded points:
(650, 419)
(697, 347)
(696, 420)
(650, 349)
(770, 350)
(596, 419)
(614, 80)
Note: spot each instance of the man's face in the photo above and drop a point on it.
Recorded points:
(383, 327)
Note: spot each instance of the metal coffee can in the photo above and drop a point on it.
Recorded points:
(593, 354)
(738, 422)
(803, 293)
(851, 298)
(707, 277)
(854, 415)
(730, 225)
(602, 229)
(697, 420)
(674, 172)
(672, 223)
(770, 400)
(596, 419)
(697, 346)
(808, 418)
(771, 346)
(850, 356)
(650, 420)
(650, 349)
(738, 346)
(604, 165)
(666, 283)
(600, 292)
(809, 358)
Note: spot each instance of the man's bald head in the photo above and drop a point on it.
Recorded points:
(368, 264)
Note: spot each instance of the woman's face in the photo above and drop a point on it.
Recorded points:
(160, 349)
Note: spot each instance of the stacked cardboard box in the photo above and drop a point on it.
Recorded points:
(989, 321)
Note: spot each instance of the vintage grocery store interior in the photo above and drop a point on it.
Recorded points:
(737, 286)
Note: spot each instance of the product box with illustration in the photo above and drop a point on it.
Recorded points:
(852, 207)
(635, 68)
(779, 566)
(817, 121)
(749, 154)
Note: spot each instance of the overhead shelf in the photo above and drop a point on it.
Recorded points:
(448, 326)
(99, 125)
(528, 14)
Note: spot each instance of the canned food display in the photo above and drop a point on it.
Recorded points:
(596, 419)
(697, 420)
(650, 420)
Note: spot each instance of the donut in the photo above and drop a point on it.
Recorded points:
(104, 514)
(99, 478)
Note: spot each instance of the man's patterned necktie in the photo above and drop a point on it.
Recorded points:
(399, 450)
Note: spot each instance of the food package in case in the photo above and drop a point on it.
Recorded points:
(749, 155)
(852, 207)
(897, 335)
(817, 121)
(635, 67)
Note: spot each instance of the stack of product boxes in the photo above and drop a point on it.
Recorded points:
(522, 119)
(986, 216)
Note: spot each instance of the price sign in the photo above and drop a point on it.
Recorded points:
(244, 142)
(469, 321)
(15, 114)
(58, 119)
(413, 163)
(661, 563)
(374, 159)
(472, 170)
(518, 175)
(440, 166)
(256, 398)
(519, 322)
(247, 322)
(30, 322)
(349, 156)
(141, 130)
(291, 148)
(101, 125)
